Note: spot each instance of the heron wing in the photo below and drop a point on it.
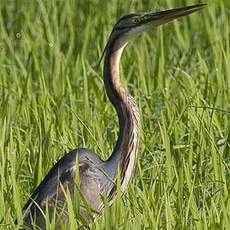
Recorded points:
(62, 176)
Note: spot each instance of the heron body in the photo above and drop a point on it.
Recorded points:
(98, 178)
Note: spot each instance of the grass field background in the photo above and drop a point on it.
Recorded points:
(52, 100)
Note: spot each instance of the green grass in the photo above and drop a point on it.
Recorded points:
(52, 100)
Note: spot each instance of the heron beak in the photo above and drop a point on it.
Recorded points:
(159, 18)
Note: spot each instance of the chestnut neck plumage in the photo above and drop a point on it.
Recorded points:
(126, 149)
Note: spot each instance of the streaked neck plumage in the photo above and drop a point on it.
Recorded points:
(126, 149)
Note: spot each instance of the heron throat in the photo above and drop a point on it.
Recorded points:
(125, 151)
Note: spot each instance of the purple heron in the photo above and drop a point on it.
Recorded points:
(97, 178)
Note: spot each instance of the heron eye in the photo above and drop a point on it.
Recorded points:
(135, 20)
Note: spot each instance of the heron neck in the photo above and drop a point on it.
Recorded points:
(125, 152)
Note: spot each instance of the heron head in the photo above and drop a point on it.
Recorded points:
(131, 25)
